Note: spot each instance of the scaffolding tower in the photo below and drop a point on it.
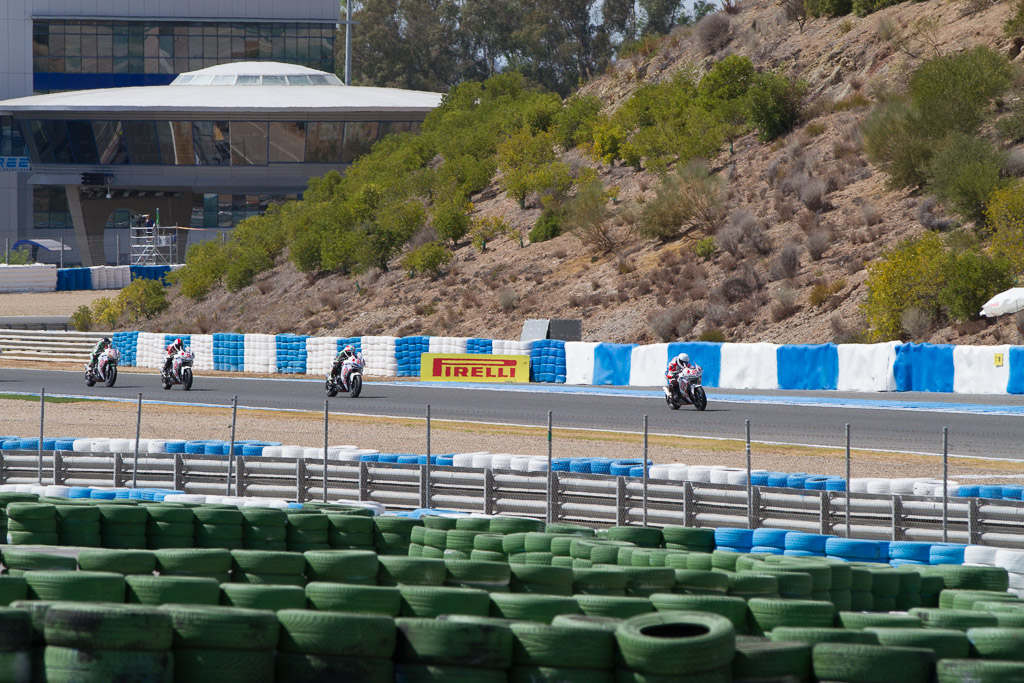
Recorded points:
(153, 245)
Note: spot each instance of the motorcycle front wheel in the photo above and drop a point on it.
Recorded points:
(111, 375)
(700, 399)
(89, 381)
(166, 381)
(186, 379)
(331, 388)
(355, 385)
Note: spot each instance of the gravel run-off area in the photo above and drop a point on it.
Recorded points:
(408, 435)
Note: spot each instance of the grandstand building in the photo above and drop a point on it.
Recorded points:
(205, 111)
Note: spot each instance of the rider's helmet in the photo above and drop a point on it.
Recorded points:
(348, 352)
(683, 360)
(177, 342)
(105, 341)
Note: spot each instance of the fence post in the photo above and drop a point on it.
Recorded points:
(897, 518)
(689, 516)
(426, 473)
(239, 476)
(300, 480)
(847, 493)
(231, 446)
(945, 484)
(754, 521)
(973, 523)
(824, 513)
(42, 413)
(750, 493)
(364, 475)
(325, 450)
(645, 471)
(550, 477)
(58, 465)
(138, 430)
(488, 491)
(621, 518)
(118, 466)
(179, 484)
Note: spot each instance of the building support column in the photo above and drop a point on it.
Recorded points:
(88, 230)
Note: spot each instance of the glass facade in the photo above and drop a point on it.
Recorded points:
(50, 207)
(11, 142)
(204, 143)
(69, 54)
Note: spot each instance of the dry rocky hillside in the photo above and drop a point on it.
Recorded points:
(801, 216)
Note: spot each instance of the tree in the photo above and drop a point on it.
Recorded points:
(1005, 218)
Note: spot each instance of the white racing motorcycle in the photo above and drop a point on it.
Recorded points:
(351, 368)
(105, 370)
(181, 370)
(685, 389)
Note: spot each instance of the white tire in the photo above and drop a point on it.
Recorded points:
(82, 445)
(537, 465)
(1010, 560)
(156, 446)
(980, 555)
(482, 461)
(879, 486)
(462, 460)
(520, 463)
(294, 452)
(57, 491)
(502, 461)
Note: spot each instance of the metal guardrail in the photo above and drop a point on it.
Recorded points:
(50, 346)
(580, 498)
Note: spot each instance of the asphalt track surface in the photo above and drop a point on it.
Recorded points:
(989, 426)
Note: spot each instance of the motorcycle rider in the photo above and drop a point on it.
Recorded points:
(676, 366)
(101, 346)
(175, 347)
(347, 353)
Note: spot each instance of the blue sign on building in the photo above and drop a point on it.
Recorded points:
(14, 164)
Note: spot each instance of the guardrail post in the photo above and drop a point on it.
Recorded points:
(426, 473)
(177, 475)
(326, 424)
(550, 475)
(118, 463)
(138, 431)
(689, 514)
(645, 471)
(945, 484)
(824, 513)
(42, 413)
(300, 480)
(3, 468)
(424, 483)
(973, 522)
(488, 491)
(231, 446)
(364, 481)
(58, 466)
(750, 493)
(240, 486)
(621, 518)
(897, 518)
(847, 487)
(754, 509)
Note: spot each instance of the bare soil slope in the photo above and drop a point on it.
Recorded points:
(812, 194)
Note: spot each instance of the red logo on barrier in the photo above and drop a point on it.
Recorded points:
(485, 369)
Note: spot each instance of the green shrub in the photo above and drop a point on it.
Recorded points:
(486, 229)
(724, 88)
(106, 312)
(705, 247)
(574, 124)
(1014, 26)
(19, 257)
(712, 335)
(829, 8)
(964, 172)
(586, 215)
(1005, 219)
(548, 226)
(1011, 126)
(141, 299)
(910, 275)
(862, 8)
(972, 278)
(430, 259)
(206, 264)
(775, 102)
(450, 218)
(690, 197)
(81, 319)
(520, 158)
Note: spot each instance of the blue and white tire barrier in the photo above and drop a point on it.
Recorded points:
(259, 353)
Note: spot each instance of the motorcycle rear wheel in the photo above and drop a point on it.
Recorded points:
(700, 399)
(186, 379)
(111, 375)
(355, 385)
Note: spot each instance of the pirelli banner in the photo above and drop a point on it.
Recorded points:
(474, 367)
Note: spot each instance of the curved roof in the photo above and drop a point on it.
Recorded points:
(271, 96)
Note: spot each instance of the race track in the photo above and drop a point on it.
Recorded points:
(979, 425)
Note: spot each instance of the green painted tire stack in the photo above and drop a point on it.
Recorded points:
(871, 663)
(531, 607)
(211, 563)
(861, 599)
(758, 660)
(15, 645)
(979, 671)
(767, 614)
(700, 582)
(32, 523)
(428, 602)
(953, 618)
(813, 636)
(343, 597)
(264, 528)
(325, 646)
(342, 566)
(618, 607)
(223, 645)
(541, 579)
(160, 590)
(349, 532)
(599, 581)
(37, 615)
(119, 561)
(123, 526)
(81, 586)
(859, 620)
(452, 650)
(78, 525)
(306, 531)
(392, 535)
(488, 576)
(945, 643)
(262, 596)
(395, 570)
(666, 643)
(12, 588)
(218, 527)
(973, 578)
(20, 560)
(169, 526)
(488, 547)
(732, 608)
(909, 595)
(268, 566)
(88, 643)
(542, 652)
(689, 538)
